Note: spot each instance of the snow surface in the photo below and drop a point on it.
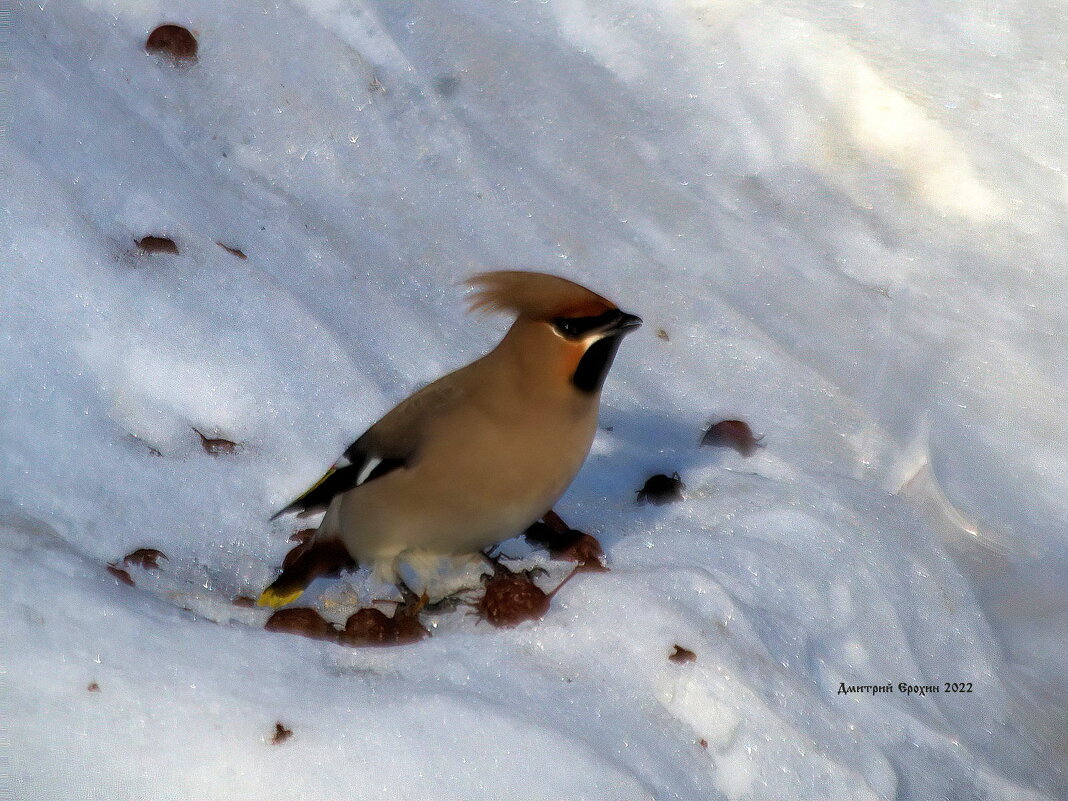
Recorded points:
(848, 217)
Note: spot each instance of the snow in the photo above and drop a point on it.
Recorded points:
(848, 218)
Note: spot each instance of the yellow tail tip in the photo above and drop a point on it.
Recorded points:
(276, 598)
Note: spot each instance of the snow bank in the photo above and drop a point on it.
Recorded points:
(845, 219)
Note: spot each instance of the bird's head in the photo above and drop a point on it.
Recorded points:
(563, 334)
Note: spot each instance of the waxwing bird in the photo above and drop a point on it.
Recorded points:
(478, 455)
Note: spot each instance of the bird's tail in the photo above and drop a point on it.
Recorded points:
(305, 563)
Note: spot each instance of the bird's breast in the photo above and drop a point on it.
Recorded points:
(481, 477)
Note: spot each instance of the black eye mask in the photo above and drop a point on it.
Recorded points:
(578, 327)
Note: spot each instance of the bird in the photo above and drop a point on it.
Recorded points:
(476, 456)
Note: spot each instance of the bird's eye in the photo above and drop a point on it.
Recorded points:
(579, 327)
(568, 327)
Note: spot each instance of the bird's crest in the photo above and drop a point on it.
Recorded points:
(537, 296)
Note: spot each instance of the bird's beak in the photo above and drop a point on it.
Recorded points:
(626, 323)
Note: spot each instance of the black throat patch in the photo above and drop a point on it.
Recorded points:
(594, 365)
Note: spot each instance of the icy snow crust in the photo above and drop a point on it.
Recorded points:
(848, 219)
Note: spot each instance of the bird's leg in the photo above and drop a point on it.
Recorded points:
(411, 604)
(408, 595)
(493, 559)
(421, 604)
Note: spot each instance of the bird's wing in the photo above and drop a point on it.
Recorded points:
(386, 446)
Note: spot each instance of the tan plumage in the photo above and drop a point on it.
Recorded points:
(481, 453)
(533, 295)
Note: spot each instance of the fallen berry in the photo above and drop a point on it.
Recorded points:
(661, 489)
(147, 558)
(731, 434)
(682, 655)
(157, 244)
(174, 41)
(121, 575)
(281, 734)
(303, 621)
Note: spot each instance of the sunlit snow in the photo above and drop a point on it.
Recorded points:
(848, 219)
